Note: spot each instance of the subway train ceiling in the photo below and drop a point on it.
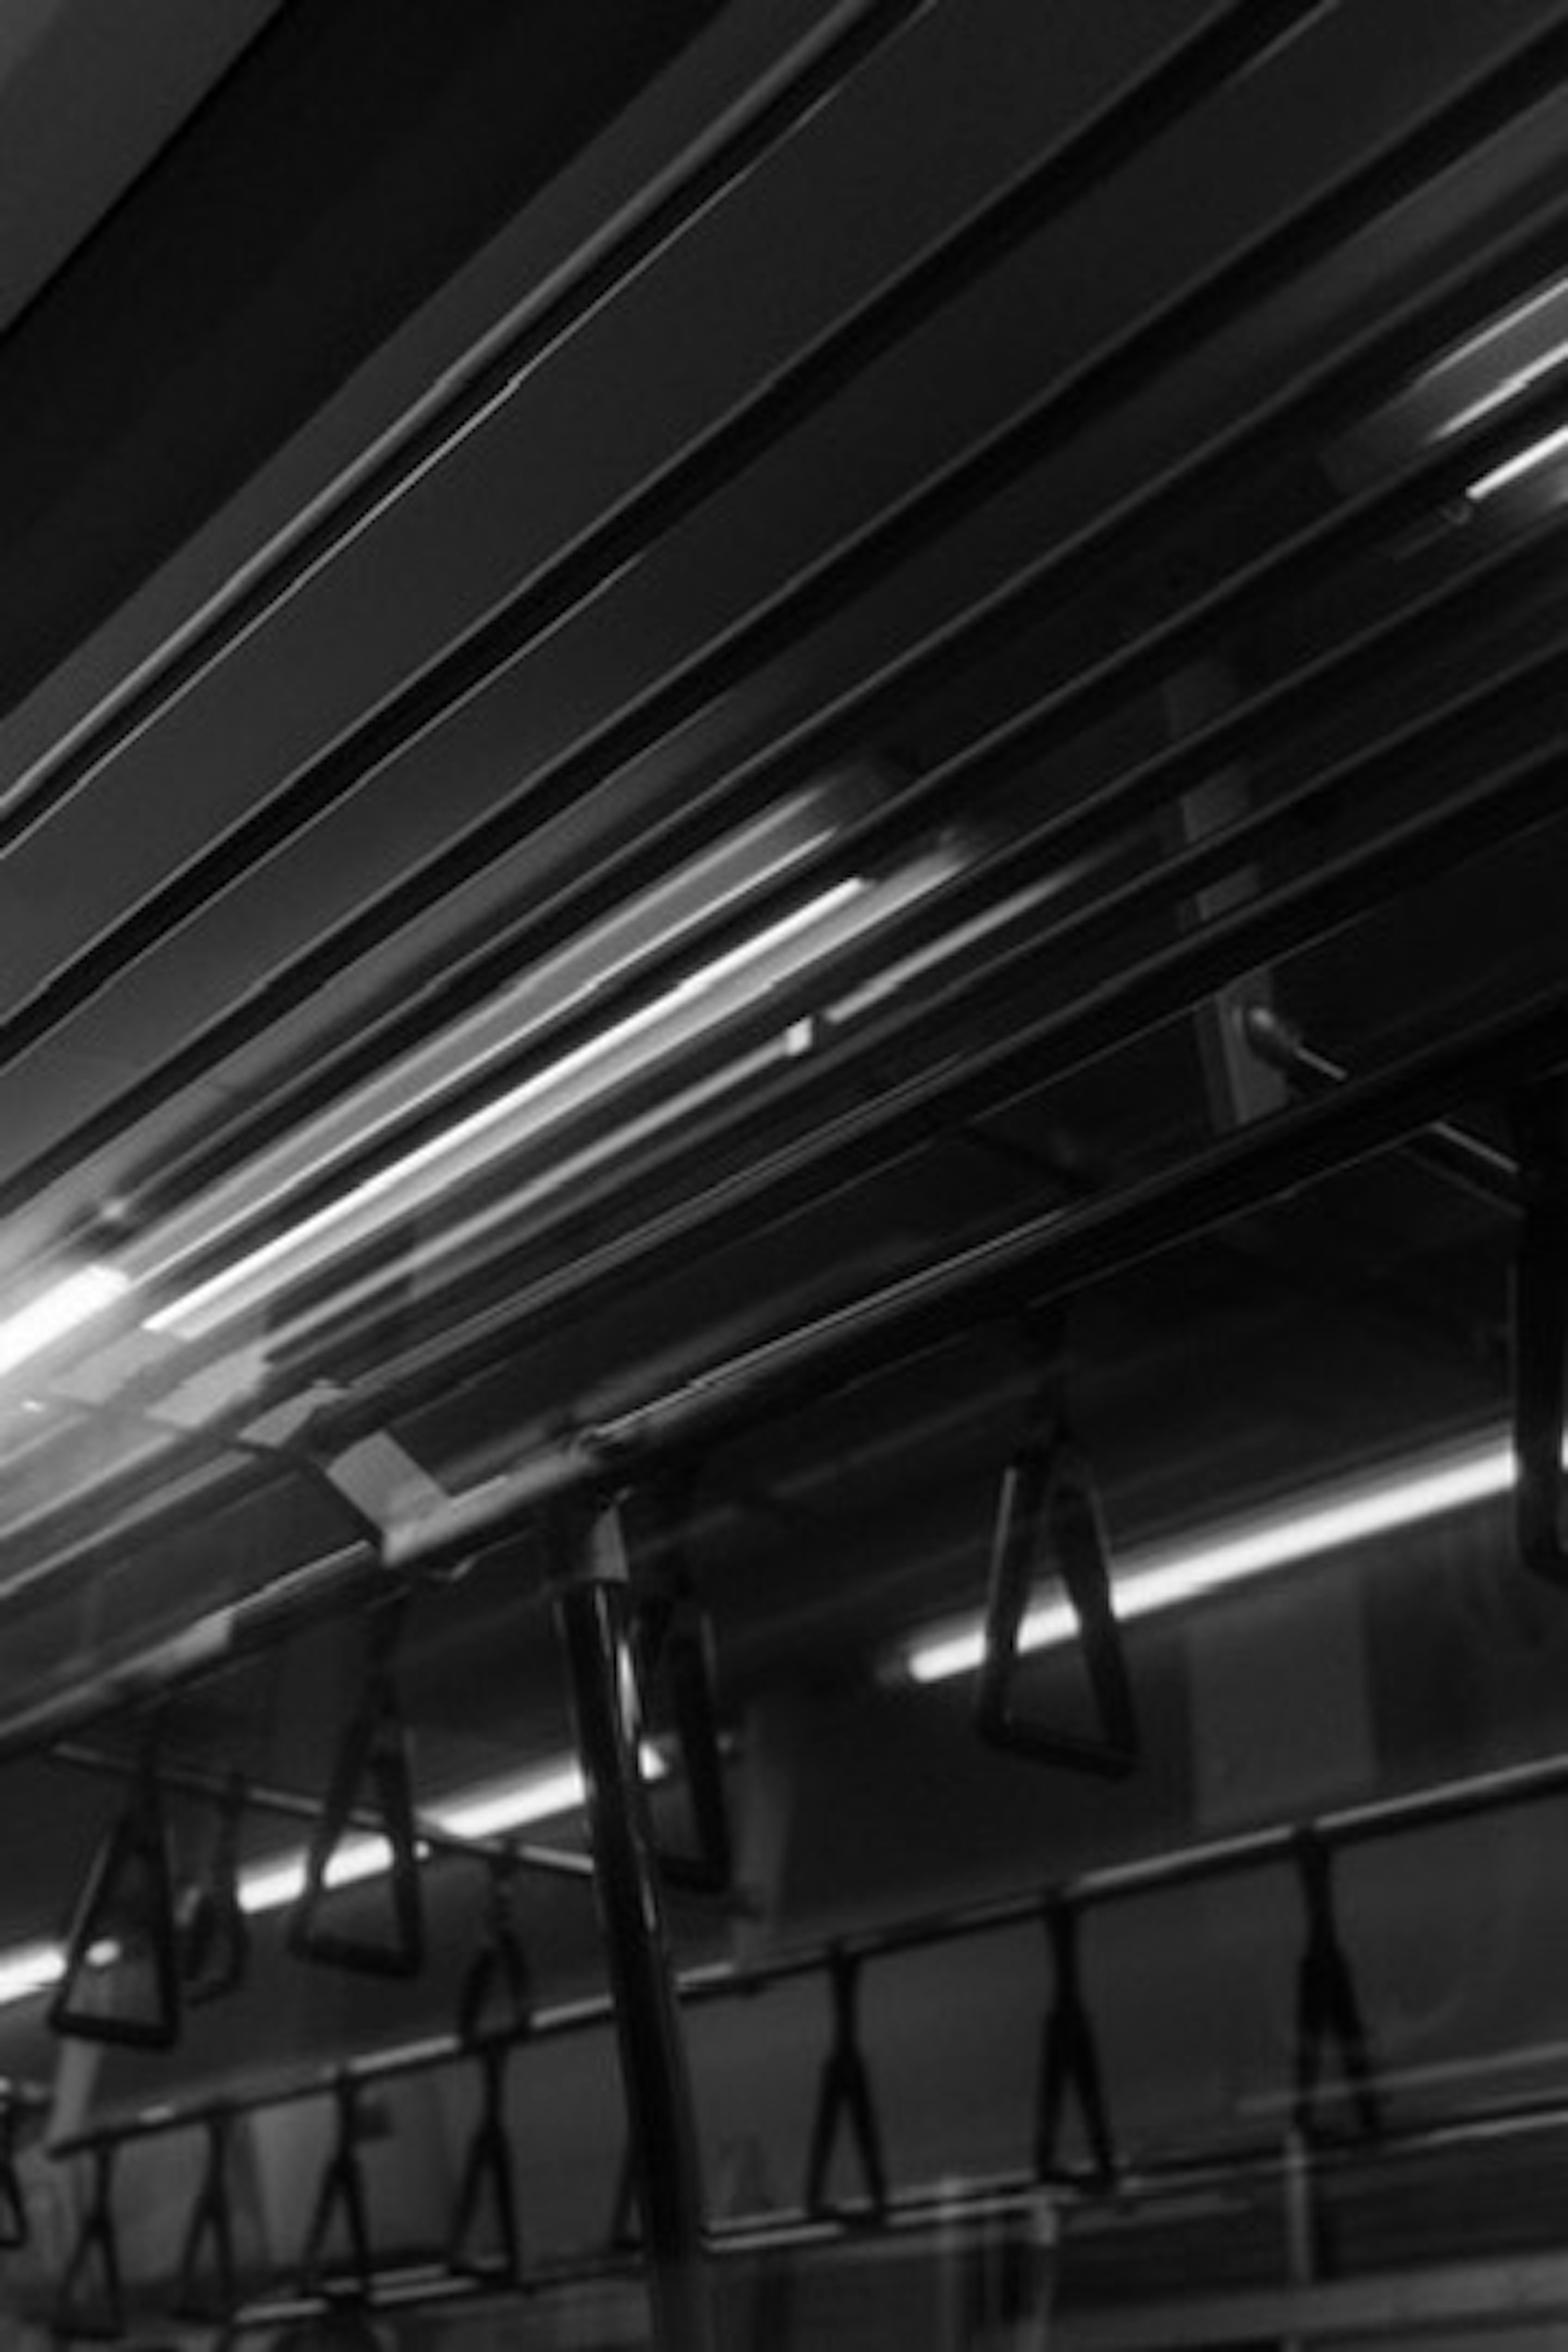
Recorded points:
(733, 734)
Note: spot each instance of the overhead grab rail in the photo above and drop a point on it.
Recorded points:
(844, 2096)
(1044, 1255)
(1328, 2006)
(1447, 131)
(1070, 2054)
(372, 1757)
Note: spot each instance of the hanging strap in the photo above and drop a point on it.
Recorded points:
(1049, 1519)
(1070, 2056)
(1326, 2000)
(489, 2183)
(1540, 1330)
(90, 2301)
(675, 1675)
(370, 1773)
(214, 1934)
(626, 2234)
(844, 2090)
(125, 1922)
(15, 2227)
(209, 2237)
(341, 2185)
(496, 2002)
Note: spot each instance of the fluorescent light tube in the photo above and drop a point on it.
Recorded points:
(503, 1025)
(64, 1307)
(1325, 1520)
(29, 1969)
(1513, 469)
(668, 1025)
(626, 1048)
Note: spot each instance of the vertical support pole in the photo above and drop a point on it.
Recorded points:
(594, 1616)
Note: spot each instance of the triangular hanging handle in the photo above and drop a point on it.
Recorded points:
(15, 2227)
(1048, 1510)
(844, 2090)
(125, 1920)
(489, 2182)
(1070, 2056)
(1540, 1330)
(496, 2002)
(213, 1933)
(674, 1644)
(342, 2189)
(371, 1776)
(90, 2301)
(209, 2237)
(1327, 2003)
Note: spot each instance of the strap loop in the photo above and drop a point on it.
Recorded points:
(845, 2089)
(1326, 1999)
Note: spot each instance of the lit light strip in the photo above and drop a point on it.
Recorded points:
(495, 1810)
(1150, 1581)
(411, 1180)
(64, 1307)
(1513, 469)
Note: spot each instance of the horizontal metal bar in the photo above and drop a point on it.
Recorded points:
(1237, 1175)
(1136, 794)
(466, 397)
(1125, 366)
(716, 456)
(1083, 396)
(1466, 1159)
(900, 1119)
(1030, 735)
(189, 1779)
(1437, 1806)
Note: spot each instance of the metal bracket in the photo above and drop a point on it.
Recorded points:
(1049, 1509)
(342, 2184)
(1326, 1999)
(844, 2088)
(674, 1648)
(90, 2301)
(374, 1756)
(1070, 2056)
(125, 1917)
(213, 1933)
(211, 2223)
(1539, 1325)
(488, 2177)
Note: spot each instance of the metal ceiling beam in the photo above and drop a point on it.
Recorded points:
(465, 398)
(1225, 44)
(1126, 365)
